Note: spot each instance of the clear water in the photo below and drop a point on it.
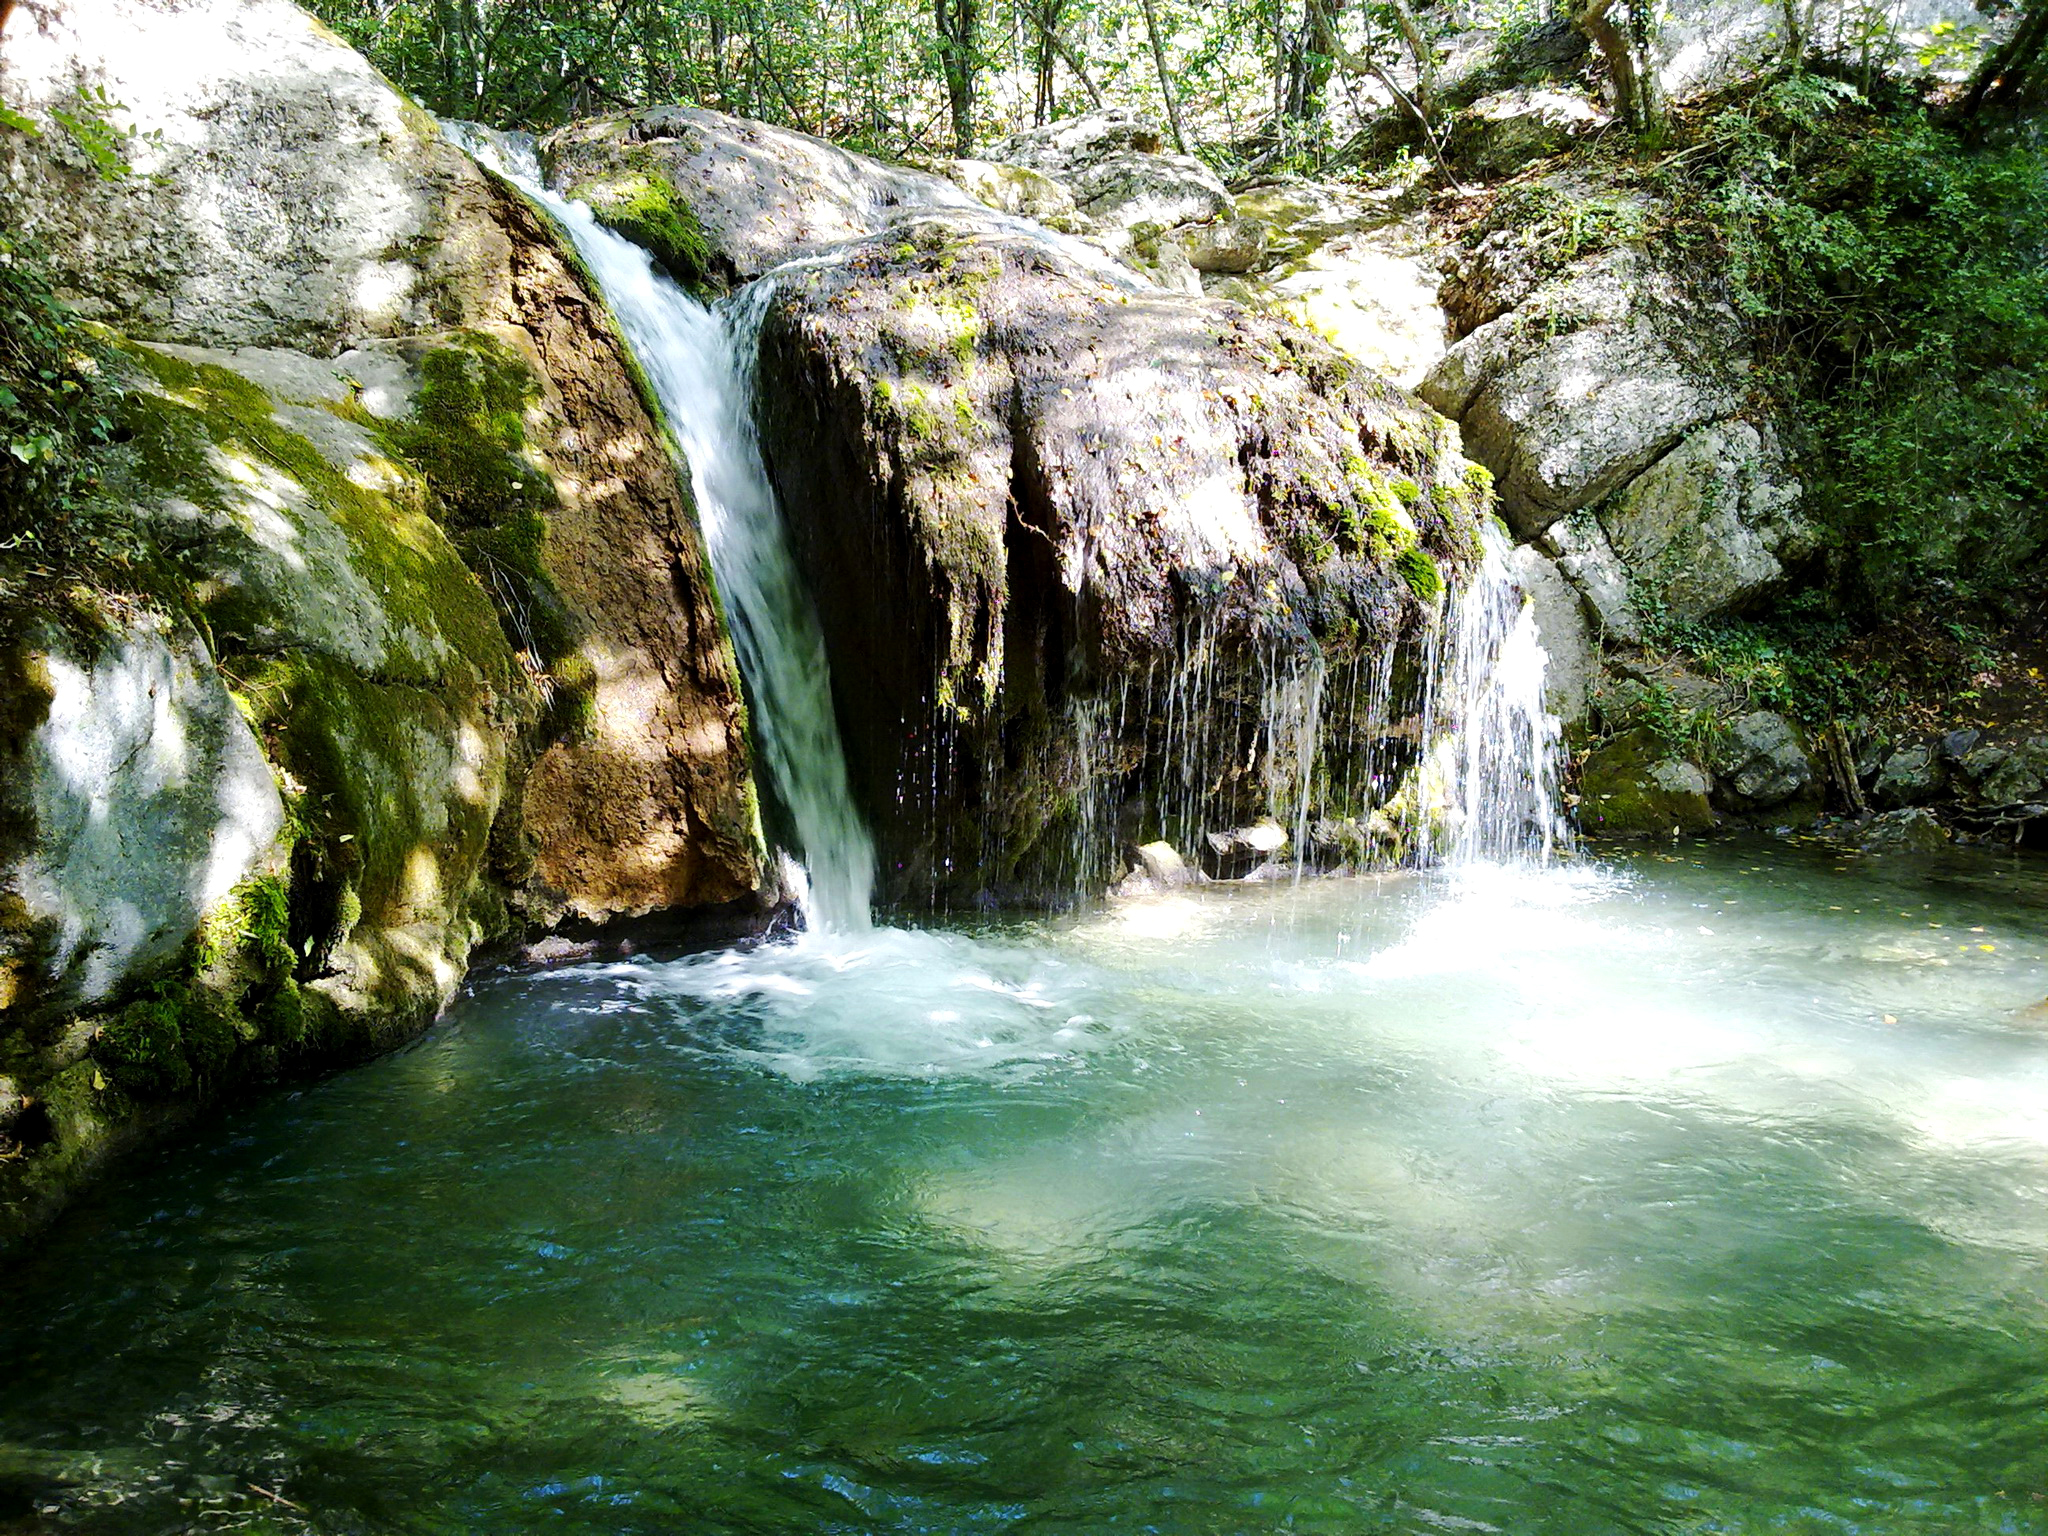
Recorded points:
(1708, 1195)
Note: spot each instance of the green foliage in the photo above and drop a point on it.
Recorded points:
(1792, 663)
(178, 1037)
(57, 419)
(1899, 270)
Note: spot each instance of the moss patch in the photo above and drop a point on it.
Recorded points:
(643, 206)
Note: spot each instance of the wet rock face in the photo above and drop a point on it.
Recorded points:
(1636, 785)
(1027, 497)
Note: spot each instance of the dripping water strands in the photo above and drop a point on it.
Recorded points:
(700, 363)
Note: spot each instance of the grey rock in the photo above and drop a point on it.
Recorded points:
(1163, 866)
(2022, 776)
(1567, 399)
(1588, 561)
(1561, 626)
(1910, 776)
(1760, 761)
(1017, 189)
(1502, 132)
(762, 194)
(1228, 245)
(1905, 831)
(1957, 745)
(1979, 764)
(1372, 291)
(1126, 190)
(142, 799)
(1242, 852)
(1067, 144)
(1708, 526)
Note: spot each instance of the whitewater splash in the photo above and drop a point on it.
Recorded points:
(701, 365)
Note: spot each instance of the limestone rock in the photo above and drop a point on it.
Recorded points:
(1910, 776)
(1569, 397)
(1373, 292)
(1163, 866)
(2021, 776)
(761, 195)
(1068, 143)
(1229, 245)
(1502, 132)
(1561, 626)
(1905, 831)
(1635, 785)
(1760, 761)
(1708, 527)
(1014, 189)
(1588, 562)
(136, 801)
(1023, 494)
(1126, 190)
(1243, 851)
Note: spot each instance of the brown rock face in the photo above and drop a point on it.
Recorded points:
(1076, 545)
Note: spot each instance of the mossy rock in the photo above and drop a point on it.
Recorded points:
(1636, 785)
(643, 207)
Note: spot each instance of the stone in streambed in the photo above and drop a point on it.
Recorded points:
(1242, 852)
(1635, 785)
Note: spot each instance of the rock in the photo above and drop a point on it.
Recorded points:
(1172, 270)
(1372, 292)
(1635, 785)
(1127, 190)
(1708, 527)
(1910, 776)
(1069, 143)
(1502, 132)
(1014, 189)
(1613, 330)
(378, 385)
(137, 798)
(1760, 761)
(1066, 502)
(1567, 638)
(1905, 831)
(2022, 776)
(1163, 866)
(1957, 745)
(1243, 851)
(1588, 562)
(1979, 763)
(1229, 245)
(1300, 214)
(758, 195)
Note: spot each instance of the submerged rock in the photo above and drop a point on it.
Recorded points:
(1075, 546)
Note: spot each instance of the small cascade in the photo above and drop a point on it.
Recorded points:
(1491, 769)
(700, 363)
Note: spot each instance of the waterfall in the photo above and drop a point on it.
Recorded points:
(701, 365)
(1492, 747)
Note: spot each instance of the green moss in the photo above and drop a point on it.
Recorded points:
(166, 1043)
(467, 436)
(256, 913)
(1420, 572)
(642, 205)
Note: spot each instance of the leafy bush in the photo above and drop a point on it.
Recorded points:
(1901, 273)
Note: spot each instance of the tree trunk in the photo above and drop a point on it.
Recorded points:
(1166, 91)
(1424, 55)
(2006, 72)
(959, 23)
(1626, 51)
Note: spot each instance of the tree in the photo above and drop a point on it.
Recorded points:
(2014, 72)
(1628, 49)
(959, 25)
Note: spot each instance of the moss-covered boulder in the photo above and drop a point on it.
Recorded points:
(642, 206)
(1637, 785)
(1087, 554)
(389, 629)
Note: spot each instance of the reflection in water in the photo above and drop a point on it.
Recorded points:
(1690, 1197)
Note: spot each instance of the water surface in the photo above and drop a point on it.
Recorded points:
(1707, 1193)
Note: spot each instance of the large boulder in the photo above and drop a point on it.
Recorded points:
(1638, 785)
(1080, 552)
(1760, 762)
(1112, 160)
(1566, 636)
(1711, 526)
(390, 484)
(1586, 383)
(1372, 289)
(756, 195)
(1507, 129)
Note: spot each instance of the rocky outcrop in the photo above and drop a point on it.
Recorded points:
(1113, 162)
(408, 640)
(1507, 129)
(1071, 543)
(757, 195)
(1637, 785)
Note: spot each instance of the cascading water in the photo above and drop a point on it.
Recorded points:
(1491, 745)
(700, 363)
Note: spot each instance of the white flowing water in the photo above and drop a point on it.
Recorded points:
(701, 365)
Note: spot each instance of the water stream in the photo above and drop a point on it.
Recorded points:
(1707, 1192)
(701, 365)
